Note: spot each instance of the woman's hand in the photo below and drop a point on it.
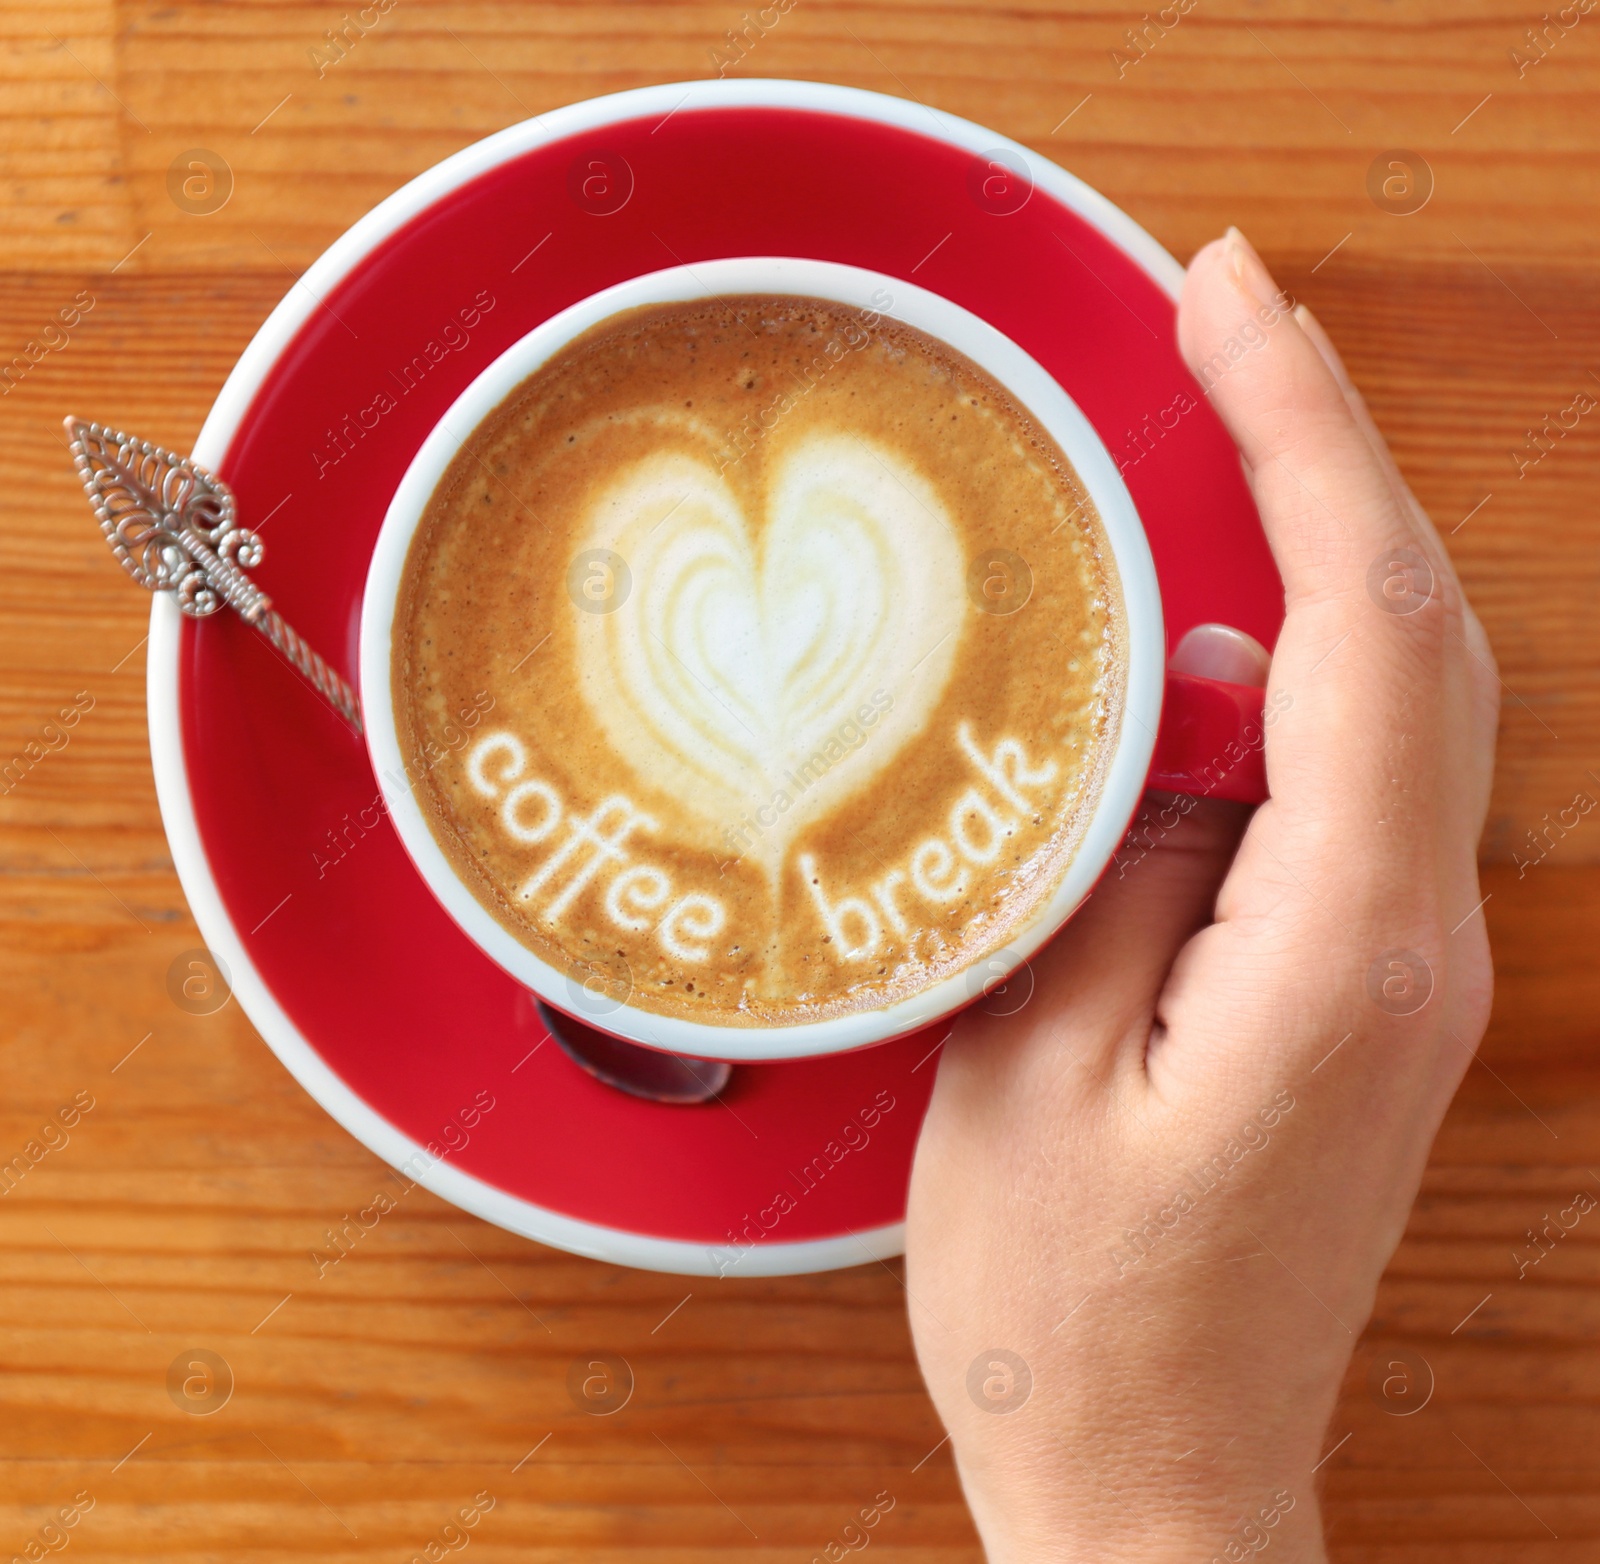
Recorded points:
(1150, 1210)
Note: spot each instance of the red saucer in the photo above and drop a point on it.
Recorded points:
(348, 966)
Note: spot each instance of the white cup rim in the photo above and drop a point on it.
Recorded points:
(1124, 773)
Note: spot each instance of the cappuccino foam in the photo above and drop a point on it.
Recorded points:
(804, 645)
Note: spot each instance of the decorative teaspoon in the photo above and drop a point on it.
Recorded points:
(174, 528)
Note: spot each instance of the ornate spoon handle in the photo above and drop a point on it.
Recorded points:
(174, 528)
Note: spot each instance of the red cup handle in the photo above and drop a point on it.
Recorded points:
(1212, 740)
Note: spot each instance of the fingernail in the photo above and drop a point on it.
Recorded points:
(1214, 651)
(1252, 278)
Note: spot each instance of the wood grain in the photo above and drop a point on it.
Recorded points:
(373, 1401)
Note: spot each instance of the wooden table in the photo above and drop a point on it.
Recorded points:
(766, 1413)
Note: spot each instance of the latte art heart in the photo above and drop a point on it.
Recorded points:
(747, 643)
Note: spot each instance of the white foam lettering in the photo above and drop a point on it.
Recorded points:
(840, 917)
(1008, 755)
(972, 805)
(633, 896)
(605, 831)
(596, 849)
(693, 917)
(883, 894)
(978, 828)
(489, 746)
(511, 816)
(931, 866)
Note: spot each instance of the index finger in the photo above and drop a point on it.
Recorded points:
(1373, 609)
(1378, 753)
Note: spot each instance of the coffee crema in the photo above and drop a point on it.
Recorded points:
(806, 651)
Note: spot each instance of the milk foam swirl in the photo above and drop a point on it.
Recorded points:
(747, 641)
